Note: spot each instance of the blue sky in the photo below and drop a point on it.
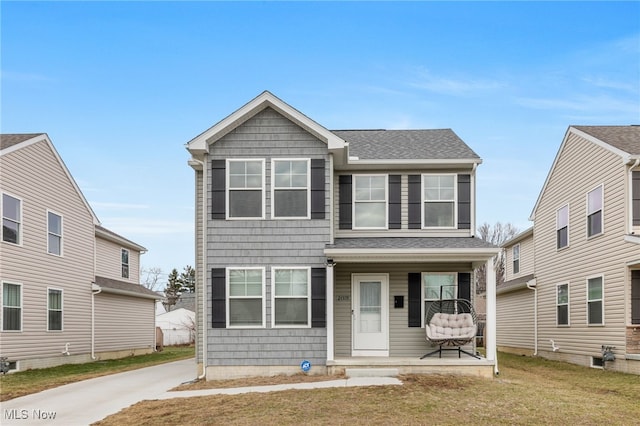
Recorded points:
(120, 87)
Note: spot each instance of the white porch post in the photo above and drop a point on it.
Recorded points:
(490, 326)
(329, 311)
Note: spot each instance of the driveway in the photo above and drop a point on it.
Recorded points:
(88, 401)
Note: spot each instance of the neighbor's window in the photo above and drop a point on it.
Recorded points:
(124, 254)
(290, 188)
(594, 212)
(11, 307)
(562, 227)
(11, 219)
(562, 304)
(437, 286)
(246, 189)
(54, 233)
(439, 201)
(595, 305)
(370, 202)
(515, 251)
(54, 309)
(291, 292)
(246, 295)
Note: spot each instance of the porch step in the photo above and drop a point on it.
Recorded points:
(371, 372)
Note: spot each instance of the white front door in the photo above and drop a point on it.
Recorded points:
(370, 317)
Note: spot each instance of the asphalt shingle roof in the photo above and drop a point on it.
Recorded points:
(125, 286)
(8, 140)
(410, 243)
(406, 144)
(625, 138)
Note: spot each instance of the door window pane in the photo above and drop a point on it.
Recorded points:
(370, 307)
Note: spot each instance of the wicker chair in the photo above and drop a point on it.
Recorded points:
(451, 324)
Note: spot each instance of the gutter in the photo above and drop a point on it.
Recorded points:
(532, 285)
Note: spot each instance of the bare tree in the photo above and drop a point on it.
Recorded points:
(150, 277)
(496, 235)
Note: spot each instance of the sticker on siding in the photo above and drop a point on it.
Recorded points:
(305, 366)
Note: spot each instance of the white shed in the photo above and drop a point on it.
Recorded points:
(178, 326)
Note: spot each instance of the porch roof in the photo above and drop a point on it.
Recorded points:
(411, 249)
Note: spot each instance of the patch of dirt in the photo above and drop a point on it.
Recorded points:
(256, 381)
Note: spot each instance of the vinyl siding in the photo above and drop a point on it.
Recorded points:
(514, 319)
(34, 174)
(124, 322)
(404, 341)
(579, 168)
(266, 243)
(527, 259)
(200, 269)
(109, 261)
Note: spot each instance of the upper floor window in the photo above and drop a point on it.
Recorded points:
(11, 219)
(124, 256)
(246, 297)
(562, 304)
(595, 301)
(562, 227)
(291, 301)
(290, 183)
(515, 251)
(370, 202)
(439, 201)
(594, 211)
(54, 233)
(54, 310)
(11, 307)
(245, 195)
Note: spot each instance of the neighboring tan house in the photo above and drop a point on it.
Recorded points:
(581, 260)
(328, 246)
(70, 288)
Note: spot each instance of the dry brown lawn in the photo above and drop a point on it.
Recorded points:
(529, 391)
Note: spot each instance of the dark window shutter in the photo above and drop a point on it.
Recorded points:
(464, 201)
(395, 203)
(635, 297)
(218, 196)
(635, 198)
(464, 286)
(415, 299)
(318, 297)
(415, 200)
(218, 298)
(345, 201)
(317, 189)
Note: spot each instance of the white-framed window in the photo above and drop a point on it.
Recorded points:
(11, 219)
(439, 194)
(562, 304)
(370, 196)
(290, 184)
(11, 307)
(245, 303)
(437, 286)
(595, 300)
(562, 227)
(124, 261)
(594, 211)
(515, 252)
(291, 293)
(245, 188)
(54, 233)
(54, 309)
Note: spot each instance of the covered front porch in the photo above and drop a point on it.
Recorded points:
(377, 299)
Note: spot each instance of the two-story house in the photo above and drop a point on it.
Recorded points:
(70, 288)
(581, 260)
(325, 248)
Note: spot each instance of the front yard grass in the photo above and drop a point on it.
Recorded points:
(31, 381)
(528, 391)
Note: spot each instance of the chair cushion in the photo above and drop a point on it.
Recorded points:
(445, 326)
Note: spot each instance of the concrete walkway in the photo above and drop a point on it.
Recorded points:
(89, 401)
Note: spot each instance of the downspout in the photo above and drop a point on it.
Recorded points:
(532, 285)
(95, 289)
(203, 272)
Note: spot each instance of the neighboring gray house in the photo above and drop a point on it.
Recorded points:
(327, 246)
(577, 284)
(69, 288)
